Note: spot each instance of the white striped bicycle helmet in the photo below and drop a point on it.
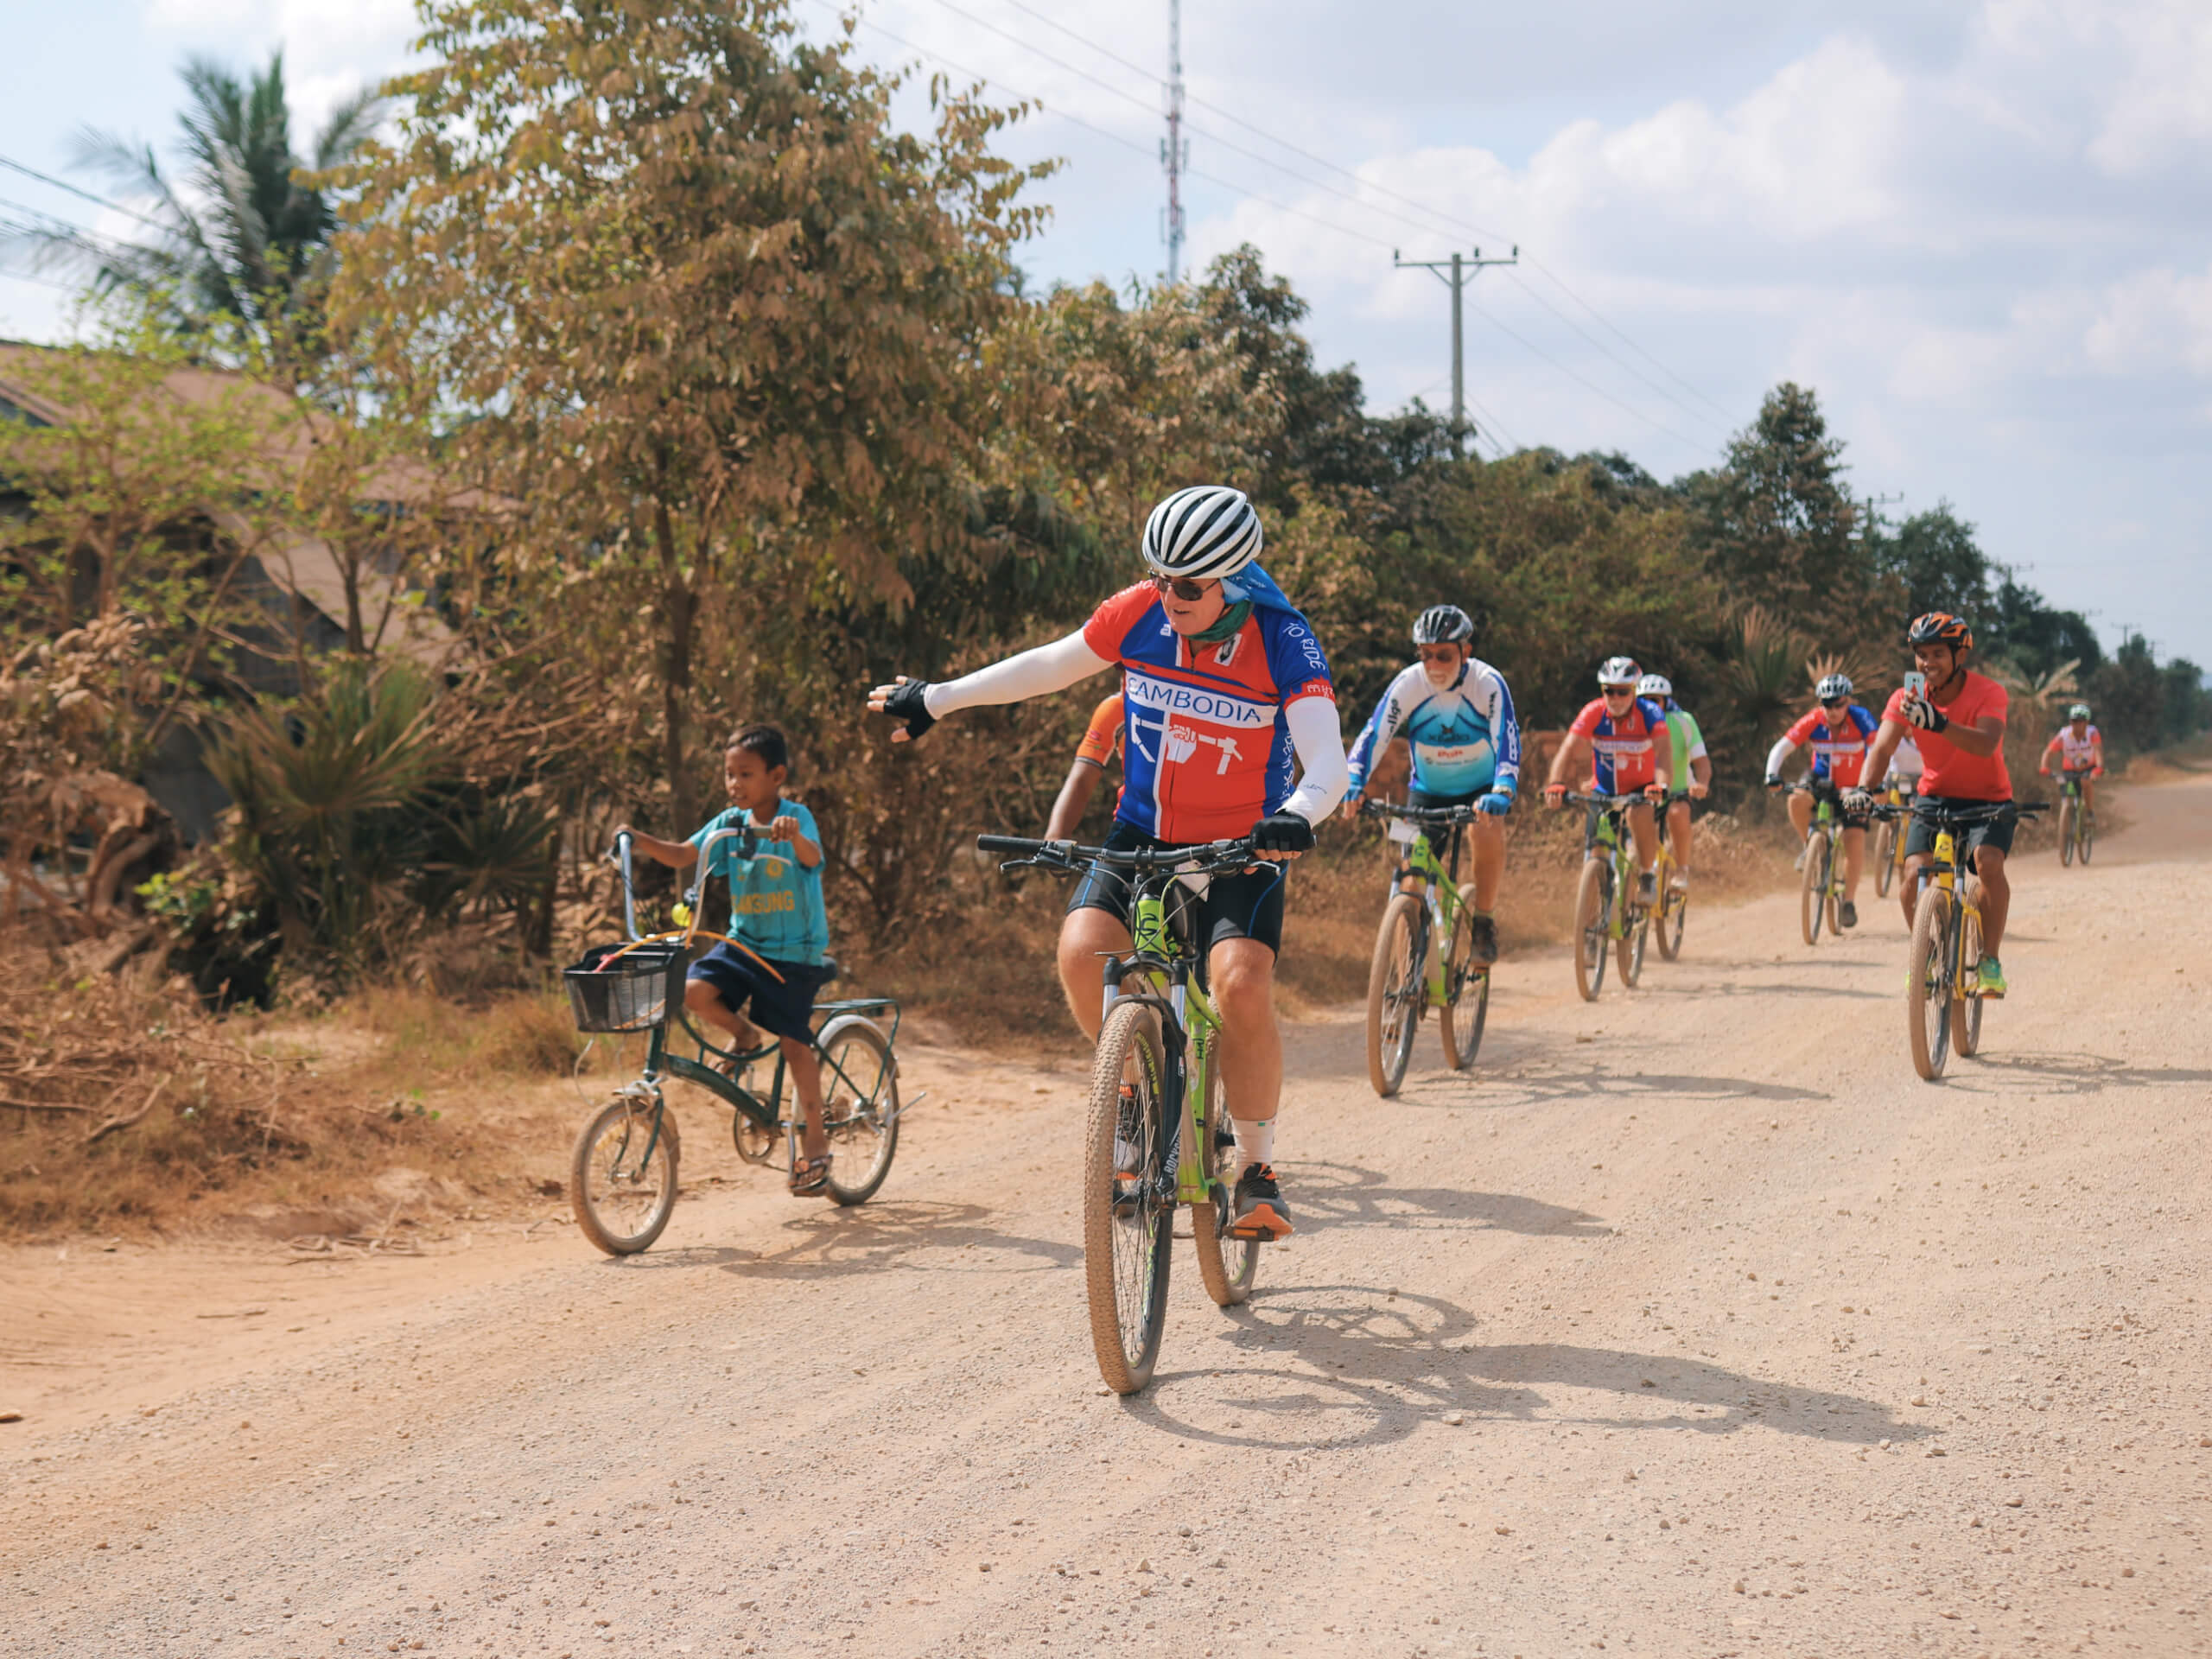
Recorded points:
(1205, 532)
(1833, 686)
(1619, 670)
(1654, 685)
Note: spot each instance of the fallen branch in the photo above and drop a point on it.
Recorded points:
(112, 1125)
(39, 1105)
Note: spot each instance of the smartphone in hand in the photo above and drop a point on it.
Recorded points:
(1915, 683)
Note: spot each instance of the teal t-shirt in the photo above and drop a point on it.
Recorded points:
(775, 902)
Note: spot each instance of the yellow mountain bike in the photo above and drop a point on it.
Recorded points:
(1942, 990)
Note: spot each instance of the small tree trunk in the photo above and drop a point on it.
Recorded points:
(679, 604)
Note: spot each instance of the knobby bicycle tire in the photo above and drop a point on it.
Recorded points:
(1673, 917)
(1966, 1011)
(1466, 989)
(1226, 1266)
(1885, 853)
(1928, 993)
(1812, 891)
(1635, 928)
(622, 1177)
(1396, 989)
(1126, 1259)
(859, 1107)
(1591, 945)
(2088, 832)
(2066, 820)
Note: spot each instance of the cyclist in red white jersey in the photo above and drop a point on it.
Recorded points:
(2080, 751)
(1837, 731)
(1629, 748)
(1227, 699)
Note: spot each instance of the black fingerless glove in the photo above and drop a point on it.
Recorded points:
(1282, 832)
(1926, 715)
(906, 703)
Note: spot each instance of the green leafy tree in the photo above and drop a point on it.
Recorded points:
(1935, 557)
(711, 314)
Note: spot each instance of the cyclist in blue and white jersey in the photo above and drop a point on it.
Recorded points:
(1456, 714)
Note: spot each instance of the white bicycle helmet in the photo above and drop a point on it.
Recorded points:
(1619, 670)
(2079, 711)
(1443, 624)
(1654, 685)
(1205, 532)
(1833, 686)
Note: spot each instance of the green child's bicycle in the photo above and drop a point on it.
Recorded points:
(1157, 1134)
(1402, 982)
(622, 1174)
(1607, 914)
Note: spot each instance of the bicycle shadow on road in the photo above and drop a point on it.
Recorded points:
(1344, 1194)
(918, 1235)
(1765, 987)
(1552, 1074)
(1383, 1362)
(2068, 1074)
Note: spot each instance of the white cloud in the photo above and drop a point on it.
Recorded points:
(2148, 320)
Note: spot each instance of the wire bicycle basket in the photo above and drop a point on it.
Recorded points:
(632, 988)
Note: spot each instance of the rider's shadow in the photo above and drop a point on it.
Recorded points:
(1345, 1195)
(913, 1235)
(1379, 1363)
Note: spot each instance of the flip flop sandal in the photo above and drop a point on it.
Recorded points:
(810, 1177)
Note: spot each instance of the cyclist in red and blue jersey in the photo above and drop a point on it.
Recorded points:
(1630, 750)
(1839, 732)
(1227, 700)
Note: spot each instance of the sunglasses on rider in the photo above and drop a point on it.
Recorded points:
(1182, 587)
(1833, 702)
(1616, 690)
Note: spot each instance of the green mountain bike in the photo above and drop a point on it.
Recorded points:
(2077, 820)
(1157, 1133)
(622, 1180)
(1821, 891)
(1607, 915)
(1403, 983)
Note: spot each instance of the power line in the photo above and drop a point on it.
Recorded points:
(1553, 278)
(1585, 383)
(76, 232)
(97, 201)
(1125, 143)
(1606, 351)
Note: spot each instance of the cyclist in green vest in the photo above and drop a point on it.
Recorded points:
(1690, 762)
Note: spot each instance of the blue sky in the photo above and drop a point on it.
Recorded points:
(1982, 229)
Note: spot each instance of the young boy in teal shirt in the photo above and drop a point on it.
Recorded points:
(775, 901)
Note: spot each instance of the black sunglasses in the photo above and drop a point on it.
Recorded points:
(1182, 587)
(1618, 690)
(1833, 702)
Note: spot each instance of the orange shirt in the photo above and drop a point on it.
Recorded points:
(1104, 736)
(1951, 772)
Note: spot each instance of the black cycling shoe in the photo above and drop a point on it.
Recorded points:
(1483, 935)
(1647, 888)
(1261, 1212)
(1847, 913)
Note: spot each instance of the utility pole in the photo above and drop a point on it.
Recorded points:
(1463, 269)
(1174, 150)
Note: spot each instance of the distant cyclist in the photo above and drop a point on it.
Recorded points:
(1102, 741)
(2080, 751)
(1625, 737)
(1456, 715)
(1226, 698)
(1691, 763)
(1837, 733)
(1959, 723)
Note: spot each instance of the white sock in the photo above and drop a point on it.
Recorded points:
(1255, 1140)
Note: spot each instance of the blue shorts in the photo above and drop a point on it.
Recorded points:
(785, 1009)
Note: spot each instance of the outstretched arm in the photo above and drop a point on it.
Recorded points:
(1319, 741)
(1035, 673)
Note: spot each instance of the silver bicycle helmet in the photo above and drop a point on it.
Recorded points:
(2079, 711)
(1619, 670)
(1833, 686)
(1443, 624)
(1654, 685)
(1205, 532)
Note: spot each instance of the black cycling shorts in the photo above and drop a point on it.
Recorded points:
(1996, 830)
(1246, 906)
(1827, 789)
(1422, 798)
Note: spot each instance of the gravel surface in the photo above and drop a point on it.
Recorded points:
(1690, 1322)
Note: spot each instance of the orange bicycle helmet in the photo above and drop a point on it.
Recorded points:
(1940, 628)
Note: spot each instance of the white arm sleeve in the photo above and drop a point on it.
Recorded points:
(1319, 741)
(1783, 749)
(1031, 674)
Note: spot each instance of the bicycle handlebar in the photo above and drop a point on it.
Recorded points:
(1464, 813)
(1955, 814)
(1213, 858)
(1610, 803)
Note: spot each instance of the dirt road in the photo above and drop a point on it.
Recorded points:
(1691, 1323)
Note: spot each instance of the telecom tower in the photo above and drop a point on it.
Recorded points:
(1174, 150)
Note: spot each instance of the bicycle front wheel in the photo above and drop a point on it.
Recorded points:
(1466, 989)
(1226, 1266)
(1674, 916)
(2066, 832)
(1129, 1197)
(859, 1107)
(2088, 832)
(1590, 942)
(1812, 891)
(1927, 983)
(1396, 990)
(1885, 854)
(622, 1176)
(1635, 928)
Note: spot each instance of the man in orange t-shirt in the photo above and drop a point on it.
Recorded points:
(1101, 739)
(1958, 721)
